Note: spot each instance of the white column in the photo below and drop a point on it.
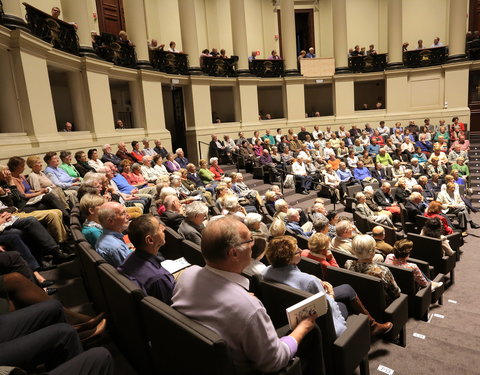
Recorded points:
(136, 25)
(80, 13)
(289, 47)
(239, 34)
(340, 44)
(395, 51)
(13, 17)
(456, 32)
(188, 25)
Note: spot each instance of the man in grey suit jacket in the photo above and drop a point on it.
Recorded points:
(191, 228)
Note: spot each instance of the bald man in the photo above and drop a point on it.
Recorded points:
(378, 234)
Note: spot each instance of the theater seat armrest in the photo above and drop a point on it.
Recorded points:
(352, 347)
(397, 311)
(293, 368)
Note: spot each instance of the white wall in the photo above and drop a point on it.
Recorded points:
(362, 23)
(425, 20)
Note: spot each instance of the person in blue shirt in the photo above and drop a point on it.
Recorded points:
(361, 172)
(346, 178)
(56, 174)
(143, 266)
(425, 146)
(373, 149)
(114, 220)
(293, 223)
(311, 53)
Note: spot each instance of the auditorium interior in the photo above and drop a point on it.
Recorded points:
(200, 78)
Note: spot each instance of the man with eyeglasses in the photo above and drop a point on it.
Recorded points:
(220, 301)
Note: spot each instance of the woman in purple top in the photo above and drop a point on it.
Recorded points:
(171, 164)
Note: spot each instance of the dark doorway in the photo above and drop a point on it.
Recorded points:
(111, 17)
(175, 116)
(304, 30)
(474, 99)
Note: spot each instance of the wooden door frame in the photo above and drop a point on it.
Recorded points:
(101, 15)
(311, 22)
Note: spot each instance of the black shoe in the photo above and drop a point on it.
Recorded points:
(46, 284)
(51, 291)
(60, 257)
(473, 225)
(47, 265)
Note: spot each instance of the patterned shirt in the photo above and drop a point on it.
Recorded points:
(391, 288)
(417, 274)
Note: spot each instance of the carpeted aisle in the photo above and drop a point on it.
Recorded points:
(452, 343)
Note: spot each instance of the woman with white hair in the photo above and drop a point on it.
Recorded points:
(363, 208)
(254, 223)
(218, 173)
(281, 208)
(149, 173)
(230, 206)
(191, 228)
(277, 228)
(398, 170)
(364, 248)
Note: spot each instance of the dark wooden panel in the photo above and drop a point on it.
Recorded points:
(110, 16)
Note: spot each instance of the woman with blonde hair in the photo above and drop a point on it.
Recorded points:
(91, 229)
(318, 249)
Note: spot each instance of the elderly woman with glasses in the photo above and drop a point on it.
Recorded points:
(284, 255)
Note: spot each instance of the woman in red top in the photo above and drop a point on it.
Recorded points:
(456, 122)
(376, 135)
(136, 154)
(434, 210)
(216, 170)
(318, 246)
(131, 177)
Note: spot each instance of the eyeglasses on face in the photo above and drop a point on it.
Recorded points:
(245, 242)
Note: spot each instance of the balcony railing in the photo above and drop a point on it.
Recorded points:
(110, 48)
(473, 49)
(418, 58)
(59, 34)
(369, 63)
(218, 66)
(169, 62)
(267, 68)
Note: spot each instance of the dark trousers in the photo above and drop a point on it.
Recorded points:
(12, 261)
(12, 240)
(305, 182)
(36, 236)
(344, 294)
(92, 362)
(37, 334)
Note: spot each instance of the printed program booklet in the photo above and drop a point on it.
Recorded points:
(316, 304)
(176, 265)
